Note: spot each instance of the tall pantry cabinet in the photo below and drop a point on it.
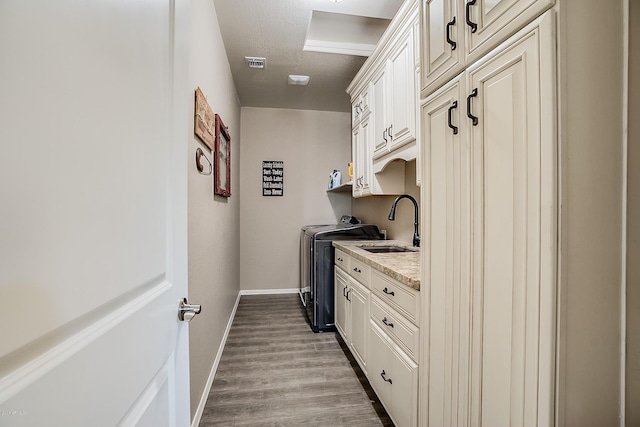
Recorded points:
(500, 195)
(492, 245)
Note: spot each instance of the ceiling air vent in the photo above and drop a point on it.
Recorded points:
(255, 62)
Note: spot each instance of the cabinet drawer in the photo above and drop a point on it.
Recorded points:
(360, 271)
(394, 377)
(404, 333)
(342, 260)
(397, 295)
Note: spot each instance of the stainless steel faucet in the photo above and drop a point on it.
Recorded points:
(392, 216)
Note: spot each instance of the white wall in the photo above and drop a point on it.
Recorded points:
(633, 225)
(311, 144)
(590, 58)
(213, 222)
(375, 210)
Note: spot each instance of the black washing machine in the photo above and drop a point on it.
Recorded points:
(317, 266)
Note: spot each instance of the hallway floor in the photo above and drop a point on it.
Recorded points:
(275, 371)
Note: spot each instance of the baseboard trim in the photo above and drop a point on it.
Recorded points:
(207, 388)
(269, 291)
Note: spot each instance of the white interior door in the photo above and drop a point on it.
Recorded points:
(92, 213)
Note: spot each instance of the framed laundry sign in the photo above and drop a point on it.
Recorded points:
(272, 178)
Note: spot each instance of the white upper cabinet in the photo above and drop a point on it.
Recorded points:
(384, 95)
(456, 33)
(365, 182)
(360, 107)
(395, 99)
(442, 40)
(402, 103)
(361, 147)
(379, 100)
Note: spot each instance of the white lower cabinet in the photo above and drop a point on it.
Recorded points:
(352, 314)
(394, 377)
(341, 285)
(378, 324)
(404, 333)
(359, 307)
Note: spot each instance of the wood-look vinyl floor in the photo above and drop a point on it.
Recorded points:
(275, 371)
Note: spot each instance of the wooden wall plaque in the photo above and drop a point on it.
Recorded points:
(204, 120)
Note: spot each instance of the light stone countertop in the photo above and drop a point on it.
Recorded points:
(402, 266)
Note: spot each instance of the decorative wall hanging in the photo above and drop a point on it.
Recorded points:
(272, 178)
(204, 120)
(222, 159)
(201, 168)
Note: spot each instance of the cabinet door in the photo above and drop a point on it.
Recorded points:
(379, 362)
(359, 306)
(355, 112)
(360, 106)
(447, 169)
(513, 193)
(442, 31)
(404, 392)
(341, 285)
(394, 377)
(364, 102)
(402, 96)
(489, 22)
(365, 155)
(361, 159)
(378, 112)
(356, 155)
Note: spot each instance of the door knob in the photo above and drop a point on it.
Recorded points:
(187, 311)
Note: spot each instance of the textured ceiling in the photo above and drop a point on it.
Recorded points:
(276, 30)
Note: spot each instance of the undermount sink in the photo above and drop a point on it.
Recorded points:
(385, 249)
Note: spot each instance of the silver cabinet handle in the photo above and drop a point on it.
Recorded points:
(187, 311)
